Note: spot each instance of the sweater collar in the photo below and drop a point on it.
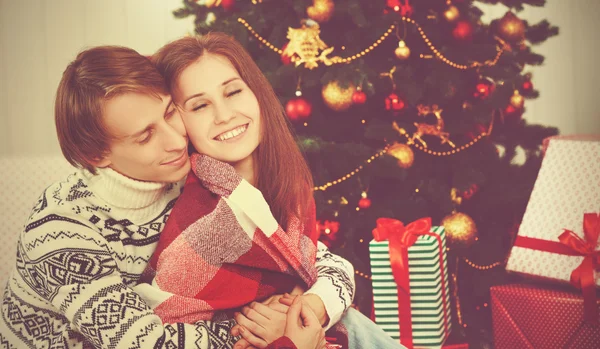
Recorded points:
(124, 192)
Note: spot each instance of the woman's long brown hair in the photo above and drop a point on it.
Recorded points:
(283, 176)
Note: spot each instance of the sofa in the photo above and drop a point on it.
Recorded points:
(22, 180)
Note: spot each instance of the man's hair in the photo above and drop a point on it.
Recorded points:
(95, 76)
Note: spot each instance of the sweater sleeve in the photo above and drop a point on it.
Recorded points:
(335, 283)
(74, 270)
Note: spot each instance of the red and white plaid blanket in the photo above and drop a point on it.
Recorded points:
(222, 248)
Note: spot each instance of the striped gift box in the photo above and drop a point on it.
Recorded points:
(426, 284)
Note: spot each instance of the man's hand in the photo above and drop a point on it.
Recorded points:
(314, 302)
(303, 328)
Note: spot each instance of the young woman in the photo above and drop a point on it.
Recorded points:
(242, 232)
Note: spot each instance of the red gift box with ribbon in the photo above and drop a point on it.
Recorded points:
(531, 317)
(410, 282)
(558, 238)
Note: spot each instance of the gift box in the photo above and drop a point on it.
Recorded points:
(528, 316)
(410, 282)
(558, 237)
(567, 187)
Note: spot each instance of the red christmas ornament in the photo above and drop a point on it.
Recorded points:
(303, 107)
(290, 110)
(527, 86)
(484, 88)
(512, 114)
(285, 59)
(364, 203)
(393, 4)
(394, 103)
(463, 31)
(510, 109)
(403, 8)
(359, 97)
(298, 109)
(327, 231)
(228, 5)
(473, 189)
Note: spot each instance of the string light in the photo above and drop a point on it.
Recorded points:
(334, 60)
(449, 152)
(360, 273)
(443, 58)
(350, 174)
(487, 267)
(482, 267)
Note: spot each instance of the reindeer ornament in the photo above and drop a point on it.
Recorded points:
(436, 130)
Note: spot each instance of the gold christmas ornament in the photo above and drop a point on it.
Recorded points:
(511, 28)
(212, 3)
(321, 10)
(436, 130)
(336, 97)
(305, 43)
(460, 229)
(402, 51)
(517, 100)
(452, 14)
(403, 153)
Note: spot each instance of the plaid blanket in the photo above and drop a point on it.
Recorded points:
(222, 248)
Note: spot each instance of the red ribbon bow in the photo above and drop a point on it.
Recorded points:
(400, 238)
(583, 276)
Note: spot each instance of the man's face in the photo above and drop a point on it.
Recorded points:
(150, 141)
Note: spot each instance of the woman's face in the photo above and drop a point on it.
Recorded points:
(220, 112)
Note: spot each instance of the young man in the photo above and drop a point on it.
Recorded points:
(88, 238)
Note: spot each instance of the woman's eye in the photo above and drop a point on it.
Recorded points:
(198, 107)
(233, 93)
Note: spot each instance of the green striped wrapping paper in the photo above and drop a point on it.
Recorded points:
(425, 290)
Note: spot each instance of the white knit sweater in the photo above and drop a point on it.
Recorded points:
(80, 255)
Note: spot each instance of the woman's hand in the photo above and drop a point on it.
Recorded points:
(260, 324)
(273, 303)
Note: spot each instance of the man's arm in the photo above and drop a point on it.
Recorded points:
(335, 286)
(80, 277)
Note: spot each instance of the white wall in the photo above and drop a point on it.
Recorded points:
(38, 38)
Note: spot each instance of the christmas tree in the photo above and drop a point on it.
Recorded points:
(405, 109)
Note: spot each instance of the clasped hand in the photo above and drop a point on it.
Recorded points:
(292, 315)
